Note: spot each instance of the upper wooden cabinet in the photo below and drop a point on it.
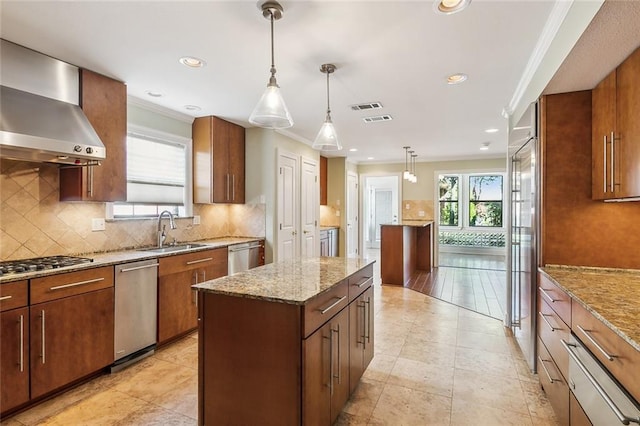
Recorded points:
(616, 132)
(323, 181)
(104, 102)
(218, 161)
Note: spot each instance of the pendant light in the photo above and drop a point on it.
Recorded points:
(407, 174)
(411, 175)
(271, 111)
(327, 139)
(414, 178)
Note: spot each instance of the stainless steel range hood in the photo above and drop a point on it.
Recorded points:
(40, 119)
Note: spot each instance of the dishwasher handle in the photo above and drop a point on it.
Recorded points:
(135, 268)
(243, 247)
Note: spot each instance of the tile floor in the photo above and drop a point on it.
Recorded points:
(435, 363)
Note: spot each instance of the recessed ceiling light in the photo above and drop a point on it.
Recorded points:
(485, 146)
(192, 62)
(153, 94)
(492, 130)
(457, 78)
(353, 149)
(447, 7)
(370, 158)
(192, 108)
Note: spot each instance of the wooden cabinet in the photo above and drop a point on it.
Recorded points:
(360, 336)
(554, 384)
(576, 414)
(323, 180)
(14, 350)
(218, 161)
(616, 132)
(71, 327)
(177, 302)
(104, 102)
(326, 371)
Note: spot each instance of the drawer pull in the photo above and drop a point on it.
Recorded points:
(60, 287)
(546, 294)
(544, 367)
(364, 282)
(21, 343)
(624, 419)
(42, 337)
(5, 298)
(333, 305)
(193, 262)
(587, 334)
(544, 318)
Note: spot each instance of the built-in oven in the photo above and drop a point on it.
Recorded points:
(603, 400)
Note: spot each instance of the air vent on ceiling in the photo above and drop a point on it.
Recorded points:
(377, 118)
(371, 105)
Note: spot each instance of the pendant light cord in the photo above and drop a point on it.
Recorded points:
(328, 107)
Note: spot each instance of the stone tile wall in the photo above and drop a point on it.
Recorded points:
(34, 223)
(415, 207)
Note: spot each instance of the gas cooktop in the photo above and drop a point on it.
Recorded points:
(12, 267)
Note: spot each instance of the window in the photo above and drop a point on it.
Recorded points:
(485, 201)
(158, 175)
(449, 211)
(471, 200)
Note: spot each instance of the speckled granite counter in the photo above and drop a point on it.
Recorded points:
(293, 281)
(414, 223)
(611, 295)
(113, 258)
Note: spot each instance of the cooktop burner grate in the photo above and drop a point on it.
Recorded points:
(39, 264)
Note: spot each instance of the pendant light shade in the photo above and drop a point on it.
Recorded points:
(271, 112)
(327, 139)
(407, 174)
(414, 178)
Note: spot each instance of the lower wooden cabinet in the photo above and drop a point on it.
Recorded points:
(576, 413)
(554, 384)
(360, 336)
(14, 358)
(177, 301)
(326, 371)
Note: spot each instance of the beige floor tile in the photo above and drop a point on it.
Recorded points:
(485, 361)
(152, 382)
(400, 406)
(389, 345)
(11, 422)
(487, 342)
(152, 415)
(537, 401)
(427, 377)
(544, 422)
(465, 413)
(482, 324)
(380, 367)
(346, 419)
(182, 398)
(524, 372)
(364, 398)
(436, 353)
(485, 389)
(433, 333)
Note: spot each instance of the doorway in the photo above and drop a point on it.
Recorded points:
(380, 205)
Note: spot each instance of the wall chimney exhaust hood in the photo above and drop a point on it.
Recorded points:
(40, 119)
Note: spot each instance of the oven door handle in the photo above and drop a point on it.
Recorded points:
(624, 419)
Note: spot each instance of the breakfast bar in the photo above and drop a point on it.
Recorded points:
(285, 343)
(405, 248)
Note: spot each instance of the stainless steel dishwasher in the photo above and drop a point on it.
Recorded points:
(243, 256)
(136, 306)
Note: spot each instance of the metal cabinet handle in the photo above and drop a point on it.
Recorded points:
(233, 187)
(546, 294)
(330, 337)
(368, 323)
(604, 164)
(135, 268)
(339, 376)
(544, 318)
(364, 319)
(613, 153)
(90, 183)
(21, 343)
(334, 304)
(588, 335)
(544, 367)
(60, 287)
(364, 282)
(193, 262)
(624, 419)
(42, 351)
(5, 298)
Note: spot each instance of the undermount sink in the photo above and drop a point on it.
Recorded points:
(169, 249)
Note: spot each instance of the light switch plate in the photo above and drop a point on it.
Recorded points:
(406, 206)
(421, 213)
(337, 212)
(97, 224)
(196, 220)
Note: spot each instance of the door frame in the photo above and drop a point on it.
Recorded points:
(296, 204)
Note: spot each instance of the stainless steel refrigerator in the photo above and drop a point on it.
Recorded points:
(523, 233)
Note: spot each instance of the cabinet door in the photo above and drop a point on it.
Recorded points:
(14, 358)
(368, 333)
(70, 338)
(340, 330)
(177, 304)
(221, 176)
(323, 181)
(104, 102)
(627, 142)
(603, 124)
(360, 336)
(236, 163)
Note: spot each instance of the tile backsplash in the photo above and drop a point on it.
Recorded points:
(33, 222)
(415, 207)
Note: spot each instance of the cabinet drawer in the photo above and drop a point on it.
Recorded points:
(557, 298)
(13, 295)
(360, 282)
(551, 330)
(189, 261)
(323, 307)
(624, 362)
(64, 285)
(554, 385)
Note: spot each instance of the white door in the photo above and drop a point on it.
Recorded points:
(287, 206)
(380, 206)
(309, 206)
(352, 215)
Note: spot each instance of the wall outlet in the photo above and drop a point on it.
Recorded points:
(97, 224)
(421, 213)
(337, 212)
(407, 206)
(196, 220)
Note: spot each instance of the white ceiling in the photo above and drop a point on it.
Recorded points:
(394, 52)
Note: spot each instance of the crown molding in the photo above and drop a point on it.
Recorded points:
(159, 109)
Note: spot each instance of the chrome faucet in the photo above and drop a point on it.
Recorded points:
(161, 232)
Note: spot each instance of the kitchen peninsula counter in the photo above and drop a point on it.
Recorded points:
(405, 248)
(611, 295)
(285, 343)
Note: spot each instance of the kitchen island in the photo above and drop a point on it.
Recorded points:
(404, 249)
(285, 343)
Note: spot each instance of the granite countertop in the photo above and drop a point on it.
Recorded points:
(414, 223)
(290, 281)
(126, 256)
(611, 295)
(326, 228)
